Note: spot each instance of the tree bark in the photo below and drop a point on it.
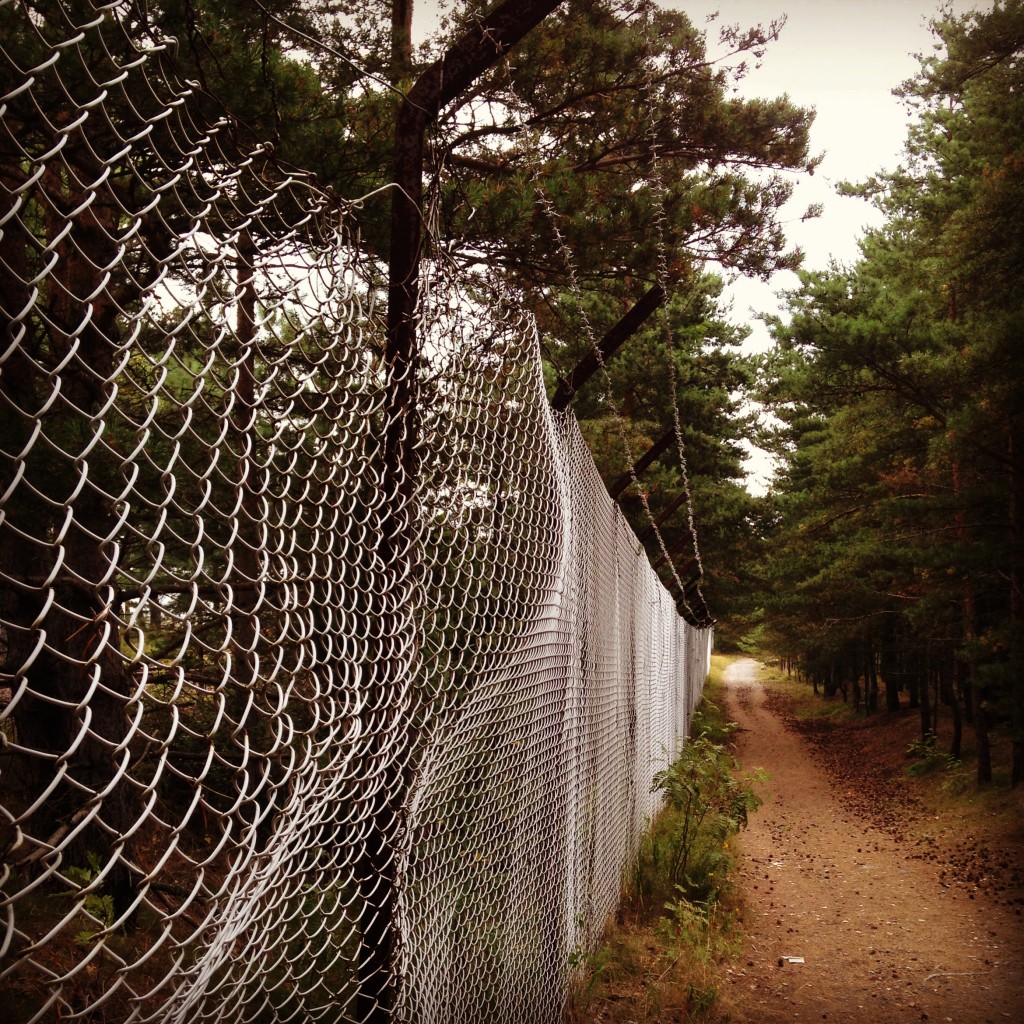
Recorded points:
(401, 41)
(870, 680)
(979, 708)
(79, 687)
(923, 682)
(889, 666)
(949, 682)
(1015, 445)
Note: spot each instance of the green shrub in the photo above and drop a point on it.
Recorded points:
(675, 906)
(708, 803)
(685, 854)
(928, 757)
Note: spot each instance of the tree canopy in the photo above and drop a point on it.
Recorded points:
(897, 382)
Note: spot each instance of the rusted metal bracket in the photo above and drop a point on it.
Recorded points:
(645, 460)
(623, 330)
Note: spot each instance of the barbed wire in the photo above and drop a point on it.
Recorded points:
(568, 258)
(661, 233)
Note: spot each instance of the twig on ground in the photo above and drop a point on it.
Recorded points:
(954, 974)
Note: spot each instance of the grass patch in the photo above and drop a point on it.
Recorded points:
(677, 919)
(804, 703)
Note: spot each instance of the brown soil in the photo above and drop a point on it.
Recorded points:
(899, 913)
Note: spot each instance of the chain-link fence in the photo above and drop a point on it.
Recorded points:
(290, 731)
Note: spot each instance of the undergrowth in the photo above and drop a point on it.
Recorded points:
(928, 759)
(676, 918)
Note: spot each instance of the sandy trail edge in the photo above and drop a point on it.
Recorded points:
(883, 942)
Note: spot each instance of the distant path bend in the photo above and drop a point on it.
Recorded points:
(882, 941)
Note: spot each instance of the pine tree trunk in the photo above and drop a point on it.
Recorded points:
(908, 672)
(79, 687)
(981, 734)
(924, 703)
(956, 743)
(871, 680)
(1015, 446)
(979, 711)
(888, 659)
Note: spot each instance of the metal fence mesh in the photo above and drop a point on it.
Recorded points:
(289, 732)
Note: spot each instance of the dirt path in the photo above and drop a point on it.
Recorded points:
(883, 941)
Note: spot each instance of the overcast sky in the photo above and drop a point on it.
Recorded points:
(843, 58)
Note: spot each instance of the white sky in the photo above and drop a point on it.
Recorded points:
(843, 58)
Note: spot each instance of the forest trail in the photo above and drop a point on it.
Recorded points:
(883, 941)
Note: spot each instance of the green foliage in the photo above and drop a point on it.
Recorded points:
(625, 409)
(612, 90)
(708, 803)
(592, 968)
(700, 998)
(710, 723)
(754, 640)
(685, 857)
(685, 920)
(897, 385)
(928, 758)
(95, 902)
(622, 115)
(690, 922)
